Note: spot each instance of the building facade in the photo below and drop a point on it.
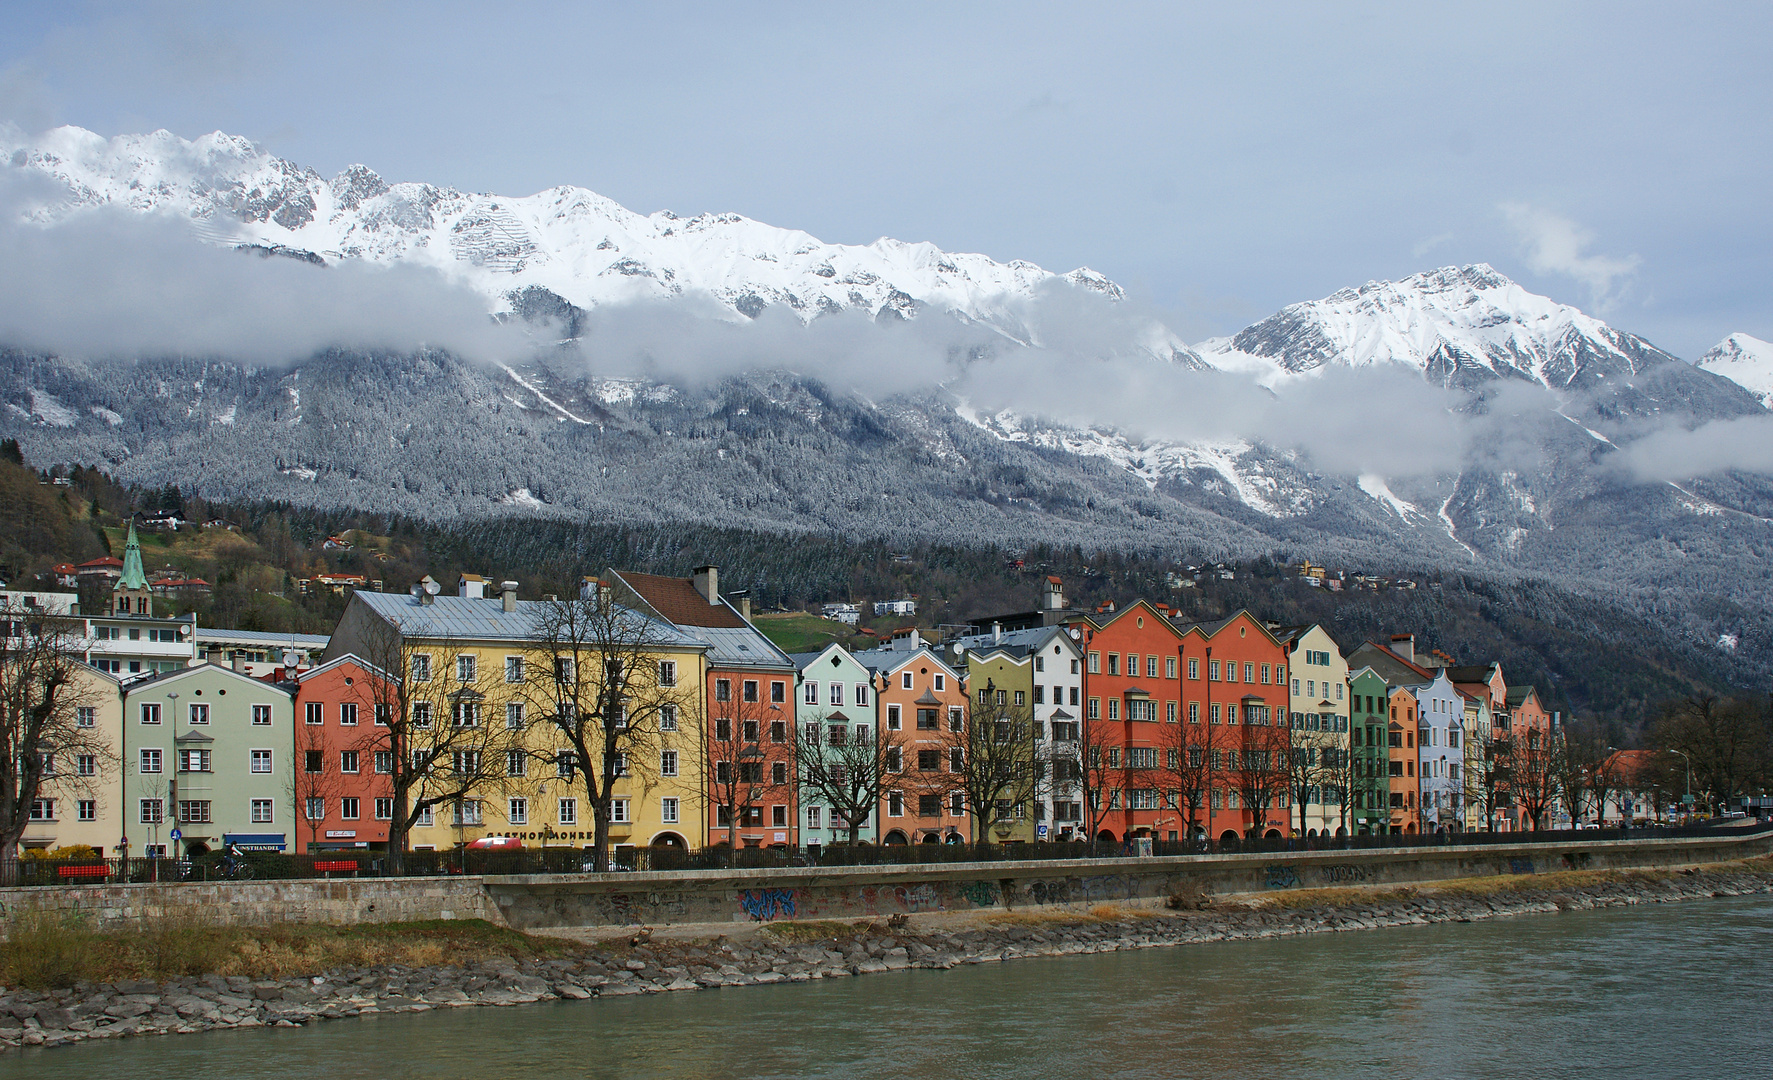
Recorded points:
(1236, 672)
(834, 702)
(80, 800)
(922, 702)
(343, 796)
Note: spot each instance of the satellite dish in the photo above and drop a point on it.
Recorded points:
(432, 587)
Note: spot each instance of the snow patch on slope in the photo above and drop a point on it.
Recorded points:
(1746, 361)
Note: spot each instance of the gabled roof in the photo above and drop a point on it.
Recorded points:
(1472, 673)
(166, 678)
(1139, 605)
(677, 601)
(731, 641)
(1518, 695)
(888, 661)
(1393, 668)
(1209, 630)
(348, 658)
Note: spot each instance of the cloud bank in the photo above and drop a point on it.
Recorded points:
(1556, 245)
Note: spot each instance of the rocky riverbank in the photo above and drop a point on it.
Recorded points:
(801, 952)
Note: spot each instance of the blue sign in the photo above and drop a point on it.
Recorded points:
(176, 835)
(1040, 830)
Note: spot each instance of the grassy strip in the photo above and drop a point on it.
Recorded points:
(50, 950)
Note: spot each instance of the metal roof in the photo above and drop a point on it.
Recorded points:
(470, 619)
(738, 646)
(262, 637)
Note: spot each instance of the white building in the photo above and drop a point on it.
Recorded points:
(895, 607)
(848, 614)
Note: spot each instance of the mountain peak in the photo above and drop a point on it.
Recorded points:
(1746, 361)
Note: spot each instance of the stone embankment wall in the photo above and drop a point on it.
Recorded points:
(718, 896)
(714, 896)
(262, 903)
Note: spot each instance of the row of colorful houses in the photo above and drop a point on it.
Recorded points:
(1136, 723)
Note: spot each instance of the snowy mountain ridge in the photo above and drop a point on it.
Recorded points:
(577, 244)
(1744, 360)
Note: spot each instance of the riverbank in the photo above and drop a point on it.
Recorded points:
(252, 984)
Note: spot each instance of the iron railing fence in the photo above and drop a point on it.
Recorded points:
(260, 866)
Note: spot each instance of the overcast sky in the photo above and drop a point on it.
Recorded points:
(1218, 161)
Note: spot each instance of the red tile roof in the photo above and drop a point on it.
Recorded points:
(677, 601)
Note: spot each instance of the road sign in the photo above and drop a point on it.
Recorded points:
(176, 835)
(1040, 830)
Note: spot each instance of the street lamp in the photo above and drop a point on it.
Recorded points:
(172, 787)
(1689, 761)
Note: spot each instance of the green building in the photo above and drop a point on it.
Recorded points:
(1369, 716)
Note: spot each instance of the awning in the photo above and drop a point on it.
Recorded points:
(255, 841)
(1135, 692)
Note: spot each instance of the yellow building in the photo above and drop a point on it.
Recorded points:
(1000, 682)
(1319, 715)
(484, 668)
(83, 802)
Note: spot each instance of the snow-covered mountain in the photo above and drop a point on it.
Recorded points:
(1745, 361)
(578, 245)
(1461, 326)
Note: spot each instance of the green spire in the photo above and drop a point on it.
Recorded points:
(132, 578)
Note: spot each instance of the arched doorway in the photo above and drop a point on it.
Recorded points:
(196, 847)
(1105, 836)
(670, 840)
(1410, 829)
(897, 838)
(1228, 836)
(1272, 834)
(931, 838)
(1341, 830)
(1311, 834)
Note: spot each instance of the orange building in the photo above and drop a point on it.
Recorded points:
(343, 791)
(1406, 791)
(921, 701)
(1235, 708)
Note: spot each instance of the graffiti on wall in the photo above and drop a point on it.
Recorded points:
(1283, 877)
(764, 905)
(1337, 873)
(1520, 866)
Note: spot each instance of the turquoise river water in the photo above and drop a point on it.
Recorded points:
(1675, 990)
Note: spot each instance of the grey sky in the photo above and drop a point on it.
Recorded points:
(1219, 161)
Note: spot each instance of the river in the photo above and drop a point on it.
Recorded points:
(1671, 990)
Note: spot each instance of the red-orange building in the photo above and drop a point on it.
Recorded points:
(1406, 787)
(1235, 706)
(343, 789)
(921, 703)
(1132, 690)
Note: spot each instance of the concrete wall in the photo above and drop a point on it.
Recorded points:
(716, 896)
(262, 903)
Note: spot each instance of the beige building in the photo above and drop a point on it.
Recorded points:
(1318, 703)
(83, 802)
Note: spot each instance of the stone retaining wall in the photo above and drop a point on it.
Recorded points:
(718, 896)
(260, 903)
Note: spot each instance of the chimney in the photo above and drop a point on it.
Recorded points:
(745, 606)
(707, 582)
(238, 660)
(1405, 646)
(508, 595)
(997, 633)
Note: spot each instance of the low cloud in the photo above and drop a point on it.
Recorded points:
(109, 283)
(1554, 244)
(1673, 453)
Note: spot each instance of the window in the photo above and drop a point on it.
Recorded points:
(468, 812)
(929, 760)
(194, 761)
(940, 682)
(956, 719)
(1114, 665)
(348, 760)
(778, 692)
(348, 714)
(1020, 699)
(1265, 673)
(779, 773)
(465, 762)
(779, 816)
(750, 690)
(421, 668)
(810, 693)
(926, 720)
(668, 811)
(85, 716)
(895, 804)
(384, 713)
(85, 764)
(465, 714)
(1193, 667)
(1214, 718)
(1151, 668)
(905, 680)
(667, 673)
(421, 714)
(1040, 694)
(314, 713)
(316, 809)
(564, 763)
(1095, 663)
(667, 718)
(313, 762)
(1142, 757)
(813, 816)
(466, 668)
(957, 803)
(1169, 667)
(150, 712)
(1213, 671)
(517, 811)
(516, 763)
(564, 667)
(1249, 671)
(384, 809)
(1169, 712)
(513, 716)
(424, 820)
(384, 762)
(618, 811)
(778, 731)
(150, 811)
(893, 718)
(668, 763)
(1114, 708)
(894, 759)
(956, 759)
(149, 762)
(86, 809)
(723, 689)
(262, 810)
(43, 810)
(929, 806)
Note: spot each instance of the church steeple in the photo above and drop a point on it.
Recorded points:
(131, 594)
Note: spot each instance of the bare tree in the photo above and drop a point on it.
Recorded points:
(990, 759)
(312, 785)
(1096, 773)
(1188, 754)
(429, 732)
(1488, 765)
(1582, 764)
(1264, 775)
(849, 771)
(1728, 742)
(1310, 761)
(613, 695)
(40, 701)
(1533, 778)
